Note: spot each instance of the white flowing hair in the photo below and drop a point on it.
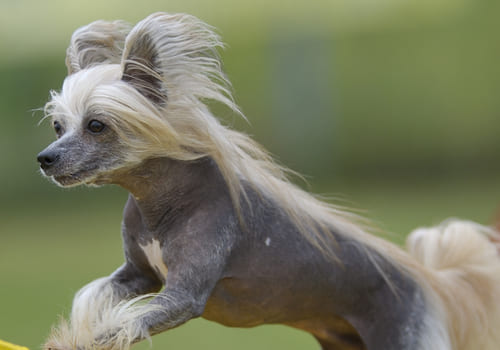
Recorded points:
(154, 93)
(99, 320)
(463, 267)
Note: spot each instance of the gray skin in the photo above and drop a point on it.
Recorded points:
(224, 273)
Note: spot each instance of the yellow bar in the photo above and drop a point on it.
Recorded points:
(8, 346)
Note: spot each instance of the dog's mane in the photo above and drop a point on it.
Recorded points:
(192, 73)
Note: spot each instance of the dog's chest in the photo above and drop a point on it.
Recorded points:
(153, 252)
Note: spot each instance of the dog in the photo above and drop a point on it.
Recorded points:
(214, 228)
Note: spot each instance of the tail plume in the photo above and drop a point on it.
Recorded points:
(464, 272)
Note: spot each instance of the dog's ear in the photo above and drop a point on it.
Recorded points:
(175, 54)
(140, 62)
(99, 42)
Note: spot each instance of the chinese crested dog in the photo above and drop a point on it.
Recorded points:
(213, 228)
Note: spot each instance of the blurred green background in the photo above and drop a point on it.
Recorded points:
(391, 106)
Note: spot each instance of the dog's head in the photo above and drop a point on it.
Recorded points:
(87, 144)
(130, 95)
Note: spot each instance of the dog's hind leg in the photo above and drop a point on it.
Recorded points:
(332, 334)
(342, 343)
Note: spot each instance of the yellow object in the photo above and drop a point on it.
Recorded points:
(8, 346)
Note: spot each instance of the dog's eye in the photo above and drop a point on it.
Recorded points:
(57, 128)
(95, 126)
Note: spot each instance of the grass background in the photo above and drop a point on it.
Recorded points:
(392, 107)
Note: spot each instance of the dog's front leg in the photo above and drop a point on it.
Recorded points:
(197, 261)
(170, 309)
(99, 310)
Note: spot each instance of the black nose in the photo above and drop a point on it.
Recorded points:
(47, 159)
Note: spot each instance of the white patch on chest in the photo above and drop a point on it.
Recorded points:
(154, 254)
(268, 241)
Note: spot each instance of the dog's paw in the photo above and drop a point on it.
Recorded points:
(60, 338)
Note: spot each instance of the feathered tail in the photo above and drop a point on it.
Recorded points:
(463, 266)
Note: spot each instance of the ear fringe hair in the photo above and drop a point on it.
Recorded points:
(185, 50)
(100, 42)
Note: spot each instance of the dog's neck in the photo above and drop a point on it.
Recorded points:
(164, 188)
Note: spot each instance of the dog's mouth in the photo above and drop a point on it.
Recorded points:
(75, 178)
